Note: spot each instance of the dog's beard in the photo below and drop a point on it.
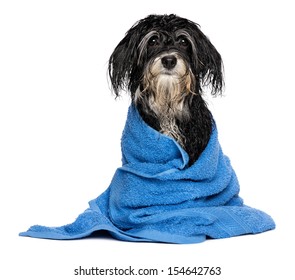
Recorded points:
(166, 94)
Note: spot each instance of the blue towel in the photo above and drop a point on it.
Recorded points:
(156, 197)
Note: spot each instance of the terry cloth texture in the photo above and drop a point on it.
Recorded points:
(156, 197)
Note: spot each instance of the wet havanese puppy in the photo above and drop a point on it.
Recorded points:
(166, 62)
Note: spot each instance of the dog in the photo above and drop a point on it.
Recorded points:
(166, 63)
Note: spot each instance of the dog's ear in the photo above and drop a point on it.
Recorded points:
(209, 66)
(122, 63)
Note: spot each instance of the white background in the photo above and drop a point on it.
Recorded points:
(60, 132)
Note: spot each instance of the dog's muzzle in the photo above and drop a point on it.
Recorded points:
(170, 63)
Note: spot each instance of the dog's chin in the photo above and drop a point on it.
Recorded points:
(167, 82)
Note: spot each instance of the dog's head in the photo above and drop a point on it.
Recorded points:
(161, 52)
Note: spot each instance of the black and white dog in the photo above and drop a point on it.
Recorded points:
(165, 61)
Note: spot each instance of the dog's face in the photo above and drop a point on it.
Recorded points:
(166, 59)
(164, 53)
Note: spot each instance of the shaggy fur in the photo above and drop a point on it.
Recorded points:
(165, 62)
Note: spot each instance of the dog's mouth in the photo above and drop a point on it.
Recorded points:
(167, 72)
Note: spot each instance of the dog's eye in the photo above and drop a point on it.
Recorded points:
(183, 42)
(153, 41)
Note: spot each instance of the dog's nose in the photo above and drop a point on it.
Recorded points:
(169, 61)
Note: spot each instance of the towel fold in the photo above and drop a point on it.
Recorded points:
(155, 196)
